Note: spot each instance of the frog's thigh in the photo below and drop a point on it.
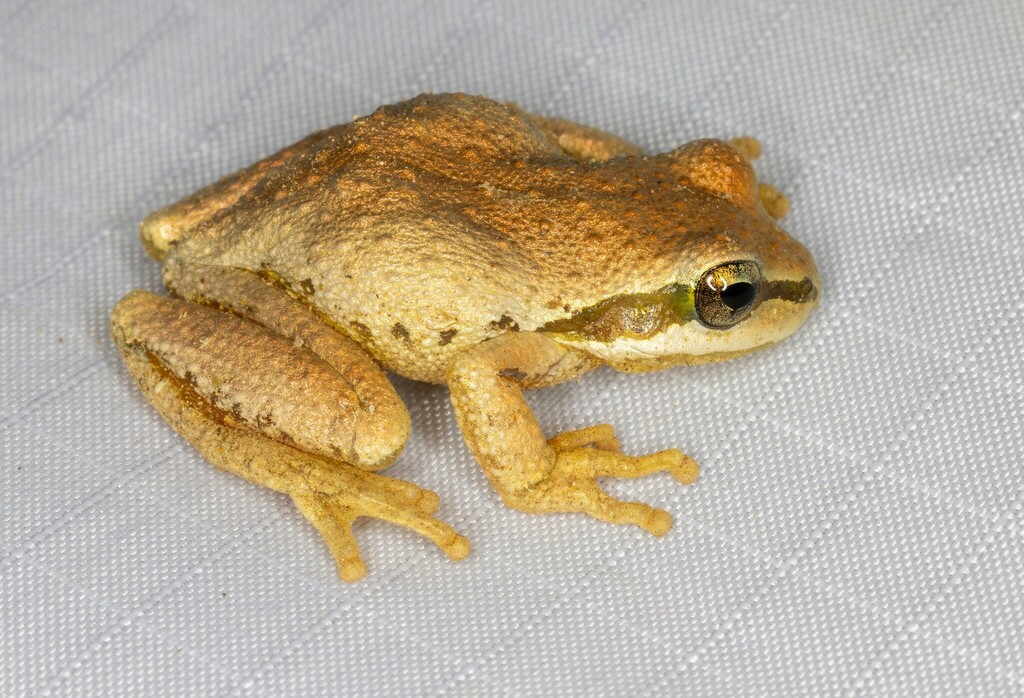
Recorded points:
(270, 383)
(381, 424)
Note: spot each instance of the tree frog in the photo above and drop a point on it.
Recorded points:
(457, 240)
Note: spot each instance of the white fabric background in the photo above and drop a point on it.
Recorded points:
(859, 526)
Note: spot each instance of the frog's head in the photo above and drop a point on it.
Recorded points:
(736, 281)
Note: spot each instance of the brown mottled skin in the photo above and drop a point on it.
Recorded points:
(450, 239)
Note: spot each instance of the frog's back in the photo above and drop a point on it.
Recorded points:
(370, 223)
(425, 133)
(419, 230)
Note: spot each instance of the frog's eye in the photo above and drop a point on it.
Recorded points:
(726, 294)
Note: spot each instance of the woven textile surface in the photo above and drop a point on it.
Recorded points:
(858, 528)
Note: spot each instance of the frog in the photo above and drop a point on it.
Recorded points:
(457, 240)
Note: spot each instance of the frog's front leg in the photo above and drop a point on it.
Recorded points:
(581, 141)
(533, 473)
(279, 399)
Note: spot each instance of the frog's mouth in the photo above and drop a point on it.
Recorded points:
(648, 364)
(681, 344)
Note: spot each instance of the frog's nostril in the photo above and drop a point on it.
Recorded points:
(739, 295)
(810, 290)
(806, 292)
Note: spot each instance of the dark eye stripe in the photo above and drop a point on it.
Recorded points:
(791, 291)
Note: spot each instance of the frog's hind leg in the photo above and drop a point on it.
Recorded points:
(330, 494)
(291, 405)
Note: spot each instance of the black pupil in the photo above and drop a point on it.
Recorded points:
(738, 295)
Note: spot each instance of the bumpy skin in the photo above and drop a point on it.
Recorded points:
(450, 239)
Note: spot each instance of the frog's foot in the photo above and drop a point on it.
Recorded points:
(332, 504)
(600, 436)
(583, 456)
(773, 200)
(749, 147)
